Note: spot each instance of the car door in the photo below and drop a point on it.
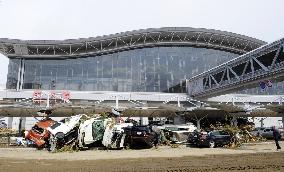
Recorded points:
(267, 133)
(215, 136)
(225, 138)
(221, 137)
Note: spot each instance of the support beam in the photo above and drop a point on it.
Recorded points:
(234, 121)
(260, 64)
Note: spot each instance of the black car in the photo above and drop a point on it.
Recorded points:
(138, 136)
(211, 139)
(193, 137)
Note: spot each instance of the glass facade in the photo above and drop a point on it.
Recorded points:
(158, 69)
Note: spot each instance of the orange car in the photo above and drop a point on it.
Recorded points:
(38, 134)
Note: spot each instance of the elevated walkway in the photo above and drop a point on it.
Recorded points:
(245, 71)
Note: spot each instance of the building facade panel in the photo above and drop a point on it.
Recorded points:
(156, 69)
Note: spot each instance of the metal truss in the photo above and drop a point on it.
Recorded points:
(266, 62)
(130, 40)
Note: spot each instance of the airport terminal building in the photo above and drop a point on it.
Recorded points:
(151, 60)
(135, 68)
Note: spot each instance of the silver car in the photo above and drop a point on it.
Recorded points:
(266, 132)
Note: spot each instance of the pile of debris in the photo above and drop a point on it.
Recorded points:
(79, 131)
(239, 135)
(5, 135)
(7, 131)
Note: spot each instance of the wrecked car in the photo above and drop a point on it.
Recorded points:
(115, 135)
(39, 134)
(178, 133)
(3, 124)
(212, 139)
(140, 136)
(63, 132)
(105, 131)
(266, 132)
(91, 131)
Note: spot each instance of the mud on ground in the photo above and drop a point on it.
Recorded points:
(250, 158)
(262, 162)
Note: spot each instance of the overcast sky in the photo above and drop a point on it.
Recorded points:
(65, 19)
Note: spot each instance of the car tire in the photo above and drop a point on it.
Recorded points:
(211, 144)
(151, 144)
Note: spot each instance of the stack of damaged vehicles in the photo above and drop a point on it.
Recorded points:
(84, 131)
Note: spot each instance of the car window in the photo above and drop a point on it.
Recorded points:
(56, 124)
(223, 133)
(141, 129)
(38, 129)
(268, 130)
(182, 129)
(215, 133)
(172, 128)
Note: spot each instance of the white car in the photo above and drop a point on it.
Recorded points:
(189, 127)
(107, 131)
(179, 132)
(92, 130)
(186, 127)
(63, 132)
(114, 135)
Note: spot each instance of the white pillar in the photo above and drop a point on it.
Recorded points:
(198, 124)
(47, 101)
(234, 121)
(116, 102)
(10, 122)
(144, 121)
(19, 75)
(22, 74)
(179, 120)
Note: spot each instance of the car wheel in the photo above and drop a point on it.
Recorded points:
(211, 144)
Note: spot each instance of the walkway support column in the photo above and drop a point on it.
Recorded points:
(234, 121)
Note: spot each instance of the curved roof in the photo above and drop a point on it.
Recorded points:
(168, 36)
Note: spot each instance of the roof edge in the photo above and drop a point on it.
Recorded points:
(133, 32)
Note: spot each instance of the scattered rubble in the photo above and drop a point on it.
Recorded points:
(238, 135)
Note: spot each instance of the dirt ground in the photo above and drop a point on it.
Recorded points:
(261, 157)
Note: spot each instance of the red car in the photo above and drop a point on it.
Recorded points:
(38, 134)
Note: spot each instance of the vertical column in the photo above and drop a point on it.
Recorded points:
(144, 121)
(19, 76)
(10, 122)
(116, 102)
(198, 124)
(178, 101)
(234, 121)
(22, 74)
(23, 123)
(261, 122)
(179, 120)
